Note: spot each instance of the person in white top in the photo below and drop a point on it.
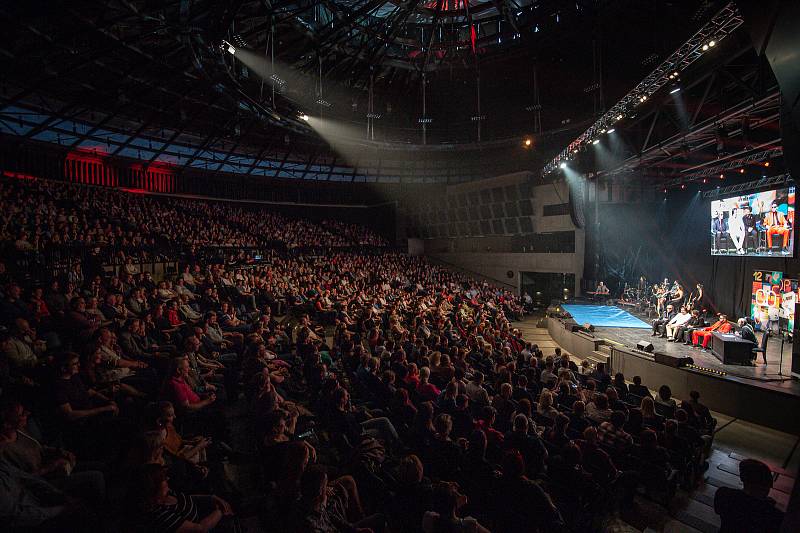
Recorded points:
(677, 321)
(736, 229)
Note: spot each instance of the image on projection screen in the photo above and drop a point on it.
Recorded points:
(759, 224)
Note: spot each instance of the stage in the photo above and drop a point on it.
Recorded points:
(741, 391)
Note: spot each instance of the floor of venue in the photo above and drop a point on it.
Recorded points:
(734, 440)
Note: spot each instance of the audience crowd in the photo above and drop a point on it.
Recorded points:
(363, 390)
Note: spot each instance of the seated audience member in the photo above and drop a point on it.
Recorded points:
(519, 503)
(749, 509)
(444, 456)
(58, 466)
(545, 405)
(650, 418)
(528, 444)
(702, 413)
(476, 392)
(612, 433)
(446, 501)
(557, 435)
(324, 506)
(638, 389)
(155, 507)
(83, 411)
(578, 420)
(412, 498)
(620, 385)
(598, 409)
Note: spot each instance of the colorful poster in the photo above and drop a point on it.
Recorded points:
(773, 299)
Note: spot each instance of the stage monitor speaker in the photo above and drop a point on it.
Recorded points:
(645, 346)
(675, 361)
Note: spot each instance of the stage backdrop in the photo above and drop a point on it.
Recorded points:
(671, 238)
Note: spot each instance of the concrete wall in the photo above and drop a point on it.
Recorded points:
(494, 256)
(495, 266)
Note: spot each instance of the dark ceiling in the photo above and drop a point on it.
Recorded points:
(150, 64)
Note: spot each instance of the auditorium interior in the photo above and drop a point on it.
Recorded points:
(399, 266)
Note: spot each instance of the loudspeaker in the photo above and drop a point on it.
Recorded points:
(645, 346)
(675, 361)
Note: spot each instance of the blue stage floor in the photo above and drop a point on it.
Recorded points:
(604, 316)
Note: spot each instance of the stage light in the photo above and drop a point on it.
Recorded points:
(665, 191)
(705, 180)
(741, 171)
(675, 74)
(705, 48)
(595, 141)
(712, 44)
(676, 89)
(303, 116)
(528, 143)
(563, 165)
(683, 185)
(722, 176)
(619, 117)
(612, 130)
(766, 163)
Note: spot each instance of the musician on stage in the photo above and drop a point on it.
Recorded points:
(703, 336)
(661, 293)
(696, 298)
(663, 320)
(676, 294)
(601, 292)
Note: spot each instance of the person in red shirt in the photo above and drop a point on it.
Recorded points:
(179, 390)
(703, 336)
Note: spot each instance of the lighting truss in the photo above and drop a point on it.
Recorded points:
(725, 22)
(733, 164)
(749, 185)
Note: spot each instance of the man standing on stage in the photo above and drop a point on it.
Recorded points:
(662, 320)
(777, 224)
(703, 336)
